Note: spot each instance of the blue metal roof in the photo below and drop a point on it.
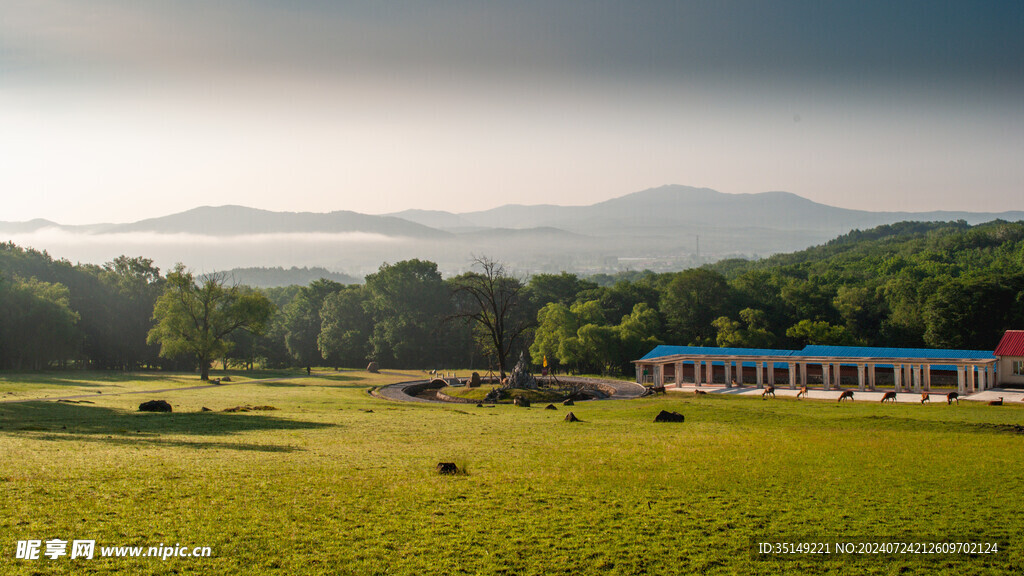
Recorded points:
(664, 350)
(822, 351)
(877, 352)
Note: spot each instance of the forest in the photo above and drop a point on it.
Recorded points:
(910, 284)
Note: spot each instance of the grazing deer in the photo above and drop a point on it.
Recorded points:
(769, 391)
(952, 396)
(925, 398)
(996, 402)
(889, 396)
(802, 393)
(658, 389)
(846, 395)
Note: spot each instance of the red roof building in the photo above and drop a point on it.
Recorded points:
(1012, 344)
(1010, 357)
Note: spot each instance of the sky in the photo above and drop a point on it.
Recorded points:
(119, 110)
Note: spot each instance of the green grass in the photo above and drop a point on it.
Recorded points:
(338, 482)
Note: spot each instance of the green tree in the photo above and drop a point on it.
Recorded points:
(732, 334)
(410, 303)
(194, 318)
(692, 300)
(347, 327)
(821, 332)
(302, 321)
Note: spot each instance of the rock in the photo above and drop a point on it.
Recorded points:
(570, 417)
(520, 401)
(373, 368)
(205, 409)
(521, 377)
(447, 468)
(226, 379)
(479, 405)
(474, 380)
(665, 416)
(493, 396)
(568, 402)
(155, 406)
(550, 407)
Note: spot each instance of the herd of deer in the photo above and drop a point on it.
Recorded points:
(887, 397)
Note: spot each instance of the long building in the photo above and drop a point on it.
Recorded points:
(832, 367)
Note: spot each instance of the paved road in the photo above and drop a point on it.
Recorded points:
(623, 390)
(159, 391)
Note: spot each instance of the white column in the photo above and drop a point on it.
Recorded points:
(659, 375)
(696, 373)
(838, 376)
(759, 366)
(771, 371)
(960, 379)
(992, 376)
(728, 373)
(739, 372)
(917, 378)
(711, 372)
(897, 375)
(803, 373)
(679, 374)
(970, 379)
(861, 369)
(639, 373)
(792, 376)
(825, 376)
(871, 376)
(927, 377)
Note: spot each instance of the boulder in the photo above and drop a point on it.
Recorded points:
(205, 409)
(570, 417)
(520, 401)
(665, 416)
(474, 380)
(155, 406)
(447, 468)
(372, 368)
(550, 407)
(568, 402)
(226, 379)
(479, 405)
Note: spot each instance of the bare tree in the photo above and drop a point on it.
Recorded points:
(491, 300)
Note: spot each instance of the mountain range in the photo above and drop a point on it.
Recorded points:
(666, 228)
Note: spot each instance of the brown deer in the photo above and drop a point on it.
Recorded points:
(925, 397)
(700, 392)
(889, 396)
(846, 395)
(952, 396)
(802, 393)
(769, 391)
(996, 402)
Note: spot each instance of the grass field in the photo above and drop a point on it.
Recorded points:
(337, 482)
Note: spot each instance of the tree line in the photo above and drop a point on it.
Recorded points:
(909, 284)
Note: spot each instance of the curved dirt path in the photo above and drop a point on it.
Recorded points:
(396, 392)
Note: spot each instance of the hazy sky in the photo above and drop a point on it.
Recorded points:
(117, 110)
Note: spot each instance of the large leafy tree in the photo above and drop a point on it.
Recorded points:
(346, 327)
(692, 300)
(410, 302)
(494, 302)
(302, 321)
(194, 317)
